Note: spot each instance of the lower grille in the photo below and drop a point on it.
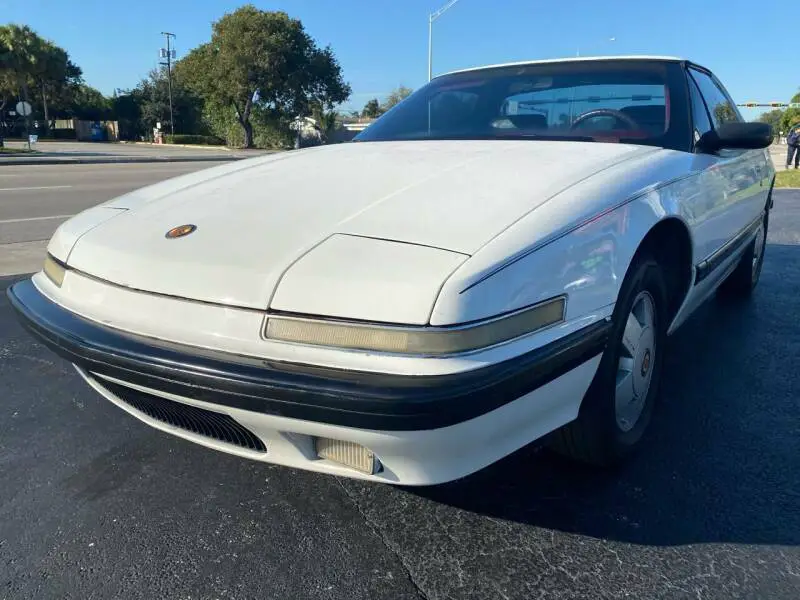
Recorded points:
(190, 418)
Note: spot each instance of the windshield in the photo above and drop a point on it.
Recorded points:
(607, 101)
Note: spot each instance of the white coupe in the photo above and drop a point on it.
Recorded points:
(499, 257)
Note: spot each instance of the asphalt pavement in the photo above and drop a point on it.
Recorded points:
(36, 199)
(94, 504)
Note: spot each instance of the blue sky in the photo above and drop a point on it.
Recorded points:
(382, 44)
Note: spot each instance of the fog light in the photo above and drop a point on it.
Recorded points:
(348, 454)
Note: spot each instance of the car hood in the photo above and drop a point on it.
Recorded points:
(278, 218)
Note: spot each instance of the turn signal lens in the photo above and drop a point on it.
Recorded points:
(54, 270)
(419, 340)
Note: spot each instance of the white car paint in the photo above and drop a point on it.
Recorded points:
(238, 330)
(254, 224)
(408, 457)
(630, 198)
(346, 276)
(419, 233)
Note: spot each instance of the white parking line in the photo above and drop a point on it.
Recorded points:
(42, 187)
(2, 222)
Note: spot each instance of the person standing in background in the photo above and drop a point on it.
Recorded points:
(793, 146)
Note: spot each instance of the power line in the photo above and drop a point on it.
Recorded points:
(771, 104)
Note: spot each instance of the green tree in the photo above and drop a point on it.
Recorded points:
(328, 120)
(126, 108)
(372, 109)
(724, 112)
(187, 107)
(395, 98)
(87, 103)
(263, 59)
(19, 49)
(139, 109)
(791, 117)
(773, 119)
(36, 69)
(54, 75)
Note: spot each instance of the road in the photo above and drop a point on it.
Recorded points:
(68, 149)
(35, 200)
(94, 504)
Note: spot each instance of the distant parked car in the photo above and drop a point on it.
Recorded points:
(500, 256)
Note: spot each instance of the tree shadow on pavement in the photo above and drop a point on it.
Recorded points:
(722, 460)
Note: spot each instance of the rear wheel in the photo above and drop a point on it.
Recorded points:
(619, 404)
(744, 278)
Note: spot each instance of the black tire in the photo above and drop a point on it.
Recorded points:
(744, 279)
(596, 437)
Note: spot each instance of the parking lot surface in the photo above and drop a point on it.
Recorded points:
(94, 504)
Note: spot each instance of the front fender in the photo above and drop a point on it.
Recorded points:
(587, 263)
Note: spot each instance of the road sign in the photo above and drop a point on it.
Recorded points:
(23, 108)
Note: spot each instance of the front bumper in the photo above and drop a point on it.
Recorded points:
(357, 399)
(424, 430)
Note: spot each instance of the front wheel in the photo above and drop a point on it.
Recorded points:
(619, 404)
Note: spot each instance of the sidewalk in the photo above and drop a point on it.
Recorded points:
(778, 154)
(51, 152)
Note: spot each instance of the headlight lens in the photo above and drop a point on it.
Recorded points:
(417, 340)
(54, 270)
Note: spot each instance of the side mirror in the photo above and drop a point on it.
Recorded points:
(736, 136)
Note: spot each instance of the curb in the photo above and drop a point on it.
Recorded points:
(193, 146)
(115, 160)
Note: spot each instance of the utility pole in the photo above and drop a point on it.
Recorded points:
(169, 54)
(431, 18)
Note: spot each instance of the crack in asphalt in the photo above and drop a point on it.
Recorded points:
(384, 540)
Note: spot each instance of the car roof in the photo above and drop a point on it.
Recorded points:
(566, 60)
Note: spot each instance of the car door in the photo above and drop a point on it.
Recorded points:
(734, 190)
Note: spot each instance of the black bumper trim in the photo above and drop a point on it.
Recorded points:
(206, 423)
(327, 395)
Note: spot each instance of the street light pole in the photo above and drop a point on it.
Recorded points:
(430, 46)
(169, 79)
(431, 18)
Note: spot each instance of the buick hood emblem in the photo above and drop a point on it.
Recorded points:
(180, 231)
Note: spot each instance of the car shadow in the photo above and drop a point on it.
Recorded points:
(722, 458)
(721, 461)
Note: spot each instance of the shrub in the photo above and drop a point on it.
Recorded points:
(202, 140)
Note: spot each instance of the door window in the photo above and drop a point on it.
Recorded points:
(720, 106)
(702, 124)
